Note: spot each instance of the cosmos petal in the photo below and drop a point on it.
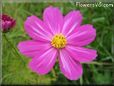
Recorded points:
(53, 19)
(70, 68)
(72, 20)
(82, 36)
(31, 48)
(36, 29)
(43, 63)
(82, 54)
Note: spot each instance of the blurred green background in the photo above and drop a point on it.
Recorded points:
(101, 71)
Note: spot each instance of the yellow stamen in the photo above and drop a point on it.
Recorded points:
(59, 41)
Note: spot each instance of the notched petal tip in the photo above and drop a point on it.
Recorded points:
(92, 58)
(19, 46)
(36, 71)
(77, 13)
(30, 18)
(95, 54)
(51, 8)
(73, 77)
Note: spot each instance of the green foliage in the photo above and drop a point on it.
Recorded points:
(15, 71)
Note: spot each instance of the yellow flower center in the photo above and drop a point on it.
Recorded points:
(59, 41)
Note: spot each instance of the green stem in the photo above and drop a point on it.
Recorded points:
(113, 46)
(81, 80)
(54, 74)
(13, 47)
(100, 63)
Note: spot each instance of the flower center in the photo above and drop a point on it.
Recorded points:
(59, 41)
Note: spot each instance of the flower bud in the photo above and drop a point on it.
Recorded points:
(7, 22)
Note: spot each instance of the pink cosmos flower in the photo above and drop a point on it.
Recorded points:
(7, 22)
(58, 37)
